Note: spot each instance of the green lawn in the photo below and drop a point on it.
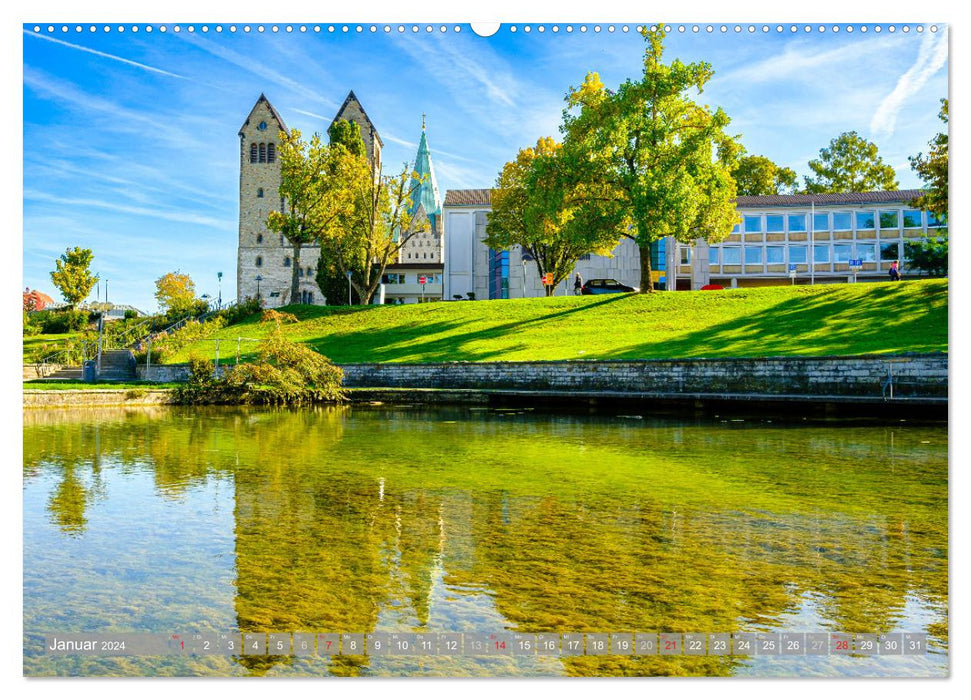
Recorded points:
(802, 320)
(33, 343)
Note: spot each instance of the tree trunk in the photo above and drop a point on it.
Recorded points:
(647, 281)
(295, 278)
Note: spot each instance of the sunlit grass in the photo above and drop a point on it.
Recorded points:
(841, 319)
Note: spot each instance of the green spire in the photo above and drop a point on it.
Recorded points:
(426, 193)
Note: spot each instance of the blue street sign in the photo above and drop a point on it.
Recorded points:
(792, 267)
(856, 263)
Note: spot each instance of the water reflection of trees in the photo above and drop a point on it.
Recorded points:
(345, 519)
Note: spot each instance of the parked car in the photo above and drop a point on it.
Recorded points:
(605, 286)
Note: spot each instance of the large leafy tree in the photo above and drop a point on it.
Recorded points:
(72, 275)
(667, 159)
(539, 204)
(932, 169)
(175, 292)
(311, 195)
(850, 164)
(757, 175)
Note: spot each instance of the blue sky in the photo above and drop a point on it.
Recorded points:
(131, 147)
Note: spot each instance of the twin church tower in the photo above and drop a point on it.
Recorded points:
(264, 262)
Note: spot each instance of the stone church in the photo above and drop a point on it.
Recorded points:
(264, 263)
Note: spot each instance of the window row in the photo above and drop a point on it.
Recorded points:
(402, 278)
(835, 221)
(262, 153)
(799, 254)
(424, 256)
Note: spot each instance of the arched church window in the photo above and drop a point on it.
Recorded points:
(259, 192)
(259, 261)
(286, 261)
(271, 153)
(262, 152)
(259, 238)
(252, 153)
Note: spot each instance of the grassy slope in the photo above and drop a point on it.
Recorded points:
(54, 340)
(802, 320)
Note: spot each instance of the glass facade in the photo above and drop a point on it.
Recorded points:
(797, 222)
(498, 274)
(820, 222)
(865, 220)
(753, 224)
(731, 255)
(842, 221)
(912, 218)
(753, 255)
(889, 252)
(797, 254)
(933, 221)
(713, 256)
(821, 253)
(867, 252)
(774, 223)
(775, 254)
(889, 219)
(842, 252)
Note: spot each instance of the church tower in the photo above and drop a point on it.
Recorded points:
(425, 203)
(264, 263)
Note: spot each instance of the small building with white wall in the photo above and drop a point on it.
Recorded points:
(473, 268)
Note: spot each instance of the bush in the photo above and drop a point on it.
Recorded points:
(64, 321)
(278, 317)
(241, 311)
(130, 314)
(286, 373)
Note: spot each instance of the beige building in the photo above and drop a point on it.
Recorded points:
(264, 263)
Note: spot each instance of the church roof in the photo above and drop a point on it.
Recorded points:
(424, 192)
(466, 198)
(276, 115)
(351, 97)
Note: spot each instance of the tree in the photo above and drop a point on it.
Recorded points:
(347, 134)
(850, 164)
(757, 175)
(666, 160)
(933, 170)
(539, 204)
(175, 293)
(928, 254)
(72, 275)
(311, 198)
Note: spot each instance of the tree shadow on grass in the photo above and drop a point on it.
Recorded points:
(891, 318)
(421, 339)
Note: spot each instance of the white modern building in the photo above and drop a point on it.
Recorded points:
(473, 268)
(774, 233)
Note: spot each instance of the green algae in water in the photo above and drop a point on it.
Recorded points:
(347, 519)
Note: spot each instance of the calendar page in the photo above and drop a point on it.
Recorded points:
(543, 349)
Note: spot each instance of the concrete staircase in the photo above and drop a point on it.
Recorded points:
(67, 373)
(116, 366)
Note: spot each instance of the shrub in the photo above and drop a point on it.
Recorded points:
(241, 311)
(286, 373)
(64, 321)
(130, 314)
(278, 317)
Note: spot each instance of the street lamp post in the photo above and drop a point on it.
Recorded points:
(259, 278)
(348, 287)
(524, 277)
(219, 279)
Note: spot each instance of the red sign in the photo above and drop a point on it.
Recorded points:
(422, 279)
(548, 278)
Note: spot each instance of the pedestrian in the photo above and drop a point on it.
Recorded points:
(895, 271)
(577, 284)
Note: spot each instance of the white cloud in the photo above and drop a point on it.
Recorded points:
(930, 58)
(126, 61)
(804, 61)
(184, 217)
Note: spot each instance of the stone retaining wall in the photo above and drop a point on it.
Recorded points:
(96, 397)
(39, 371)
(863, 376)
